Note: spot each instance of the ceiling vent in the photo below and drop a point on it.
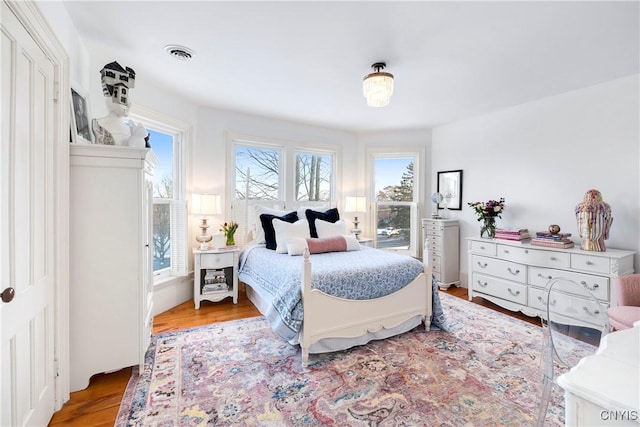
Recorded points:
(180, 52)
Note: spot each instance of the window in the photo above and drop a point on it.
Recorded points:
(167, 138)
(279, 175)
(396, 200)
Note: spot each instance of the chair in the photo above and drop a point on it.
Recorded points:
(572, 314)
(628, 309)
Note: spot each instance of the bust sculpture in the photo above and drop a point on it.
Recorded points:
(115, 128)
(594, 221)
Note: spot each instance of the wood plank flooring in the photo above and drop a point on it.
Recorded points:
(98, 404)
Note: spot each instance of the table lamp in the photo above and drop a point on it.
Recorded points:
(356, 204)
(203, 205)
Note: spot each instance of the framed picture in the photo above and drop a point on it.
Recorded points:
(80, 118)
(450, 186)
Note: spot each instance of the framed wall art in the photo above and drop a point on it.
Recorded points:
(80, 118)
(450, 186)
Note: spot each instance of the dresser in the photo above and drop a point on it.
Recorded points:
(441, 239)
(514, 275)
(604, 389)
(111, 258)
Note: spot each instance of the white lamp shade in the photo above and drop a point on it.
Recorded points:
(206, 204)
(355, 204)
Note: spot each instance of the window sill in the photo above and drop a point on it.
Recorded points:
(169, 281)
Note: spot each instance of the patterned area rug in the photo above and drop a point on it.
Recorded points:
(483, 371)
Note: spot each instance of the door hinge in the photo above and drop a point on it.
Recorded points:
(56, 368)
(56, 91)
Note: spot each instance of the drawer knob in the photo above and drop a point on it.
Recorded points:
(482, 265)
(545, 277)
(553, 258)
(589, 263)
(589, 312)
(515, 294)
(482, 247)
(506, 251)
(526, 251)
(484, 285)
(591, 288)
(513, 272)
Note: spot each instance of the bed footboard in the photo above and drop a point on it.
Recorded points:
(326, 316)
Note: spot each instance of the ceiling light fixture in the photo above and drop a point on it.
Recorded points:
(181, 53)
(378, 86)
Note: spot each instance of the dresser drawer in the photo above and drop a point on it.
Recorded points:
(590, 263)
(500, 288)
(433, 228)
(530, 256)
(434, 262)
(501, 268)
(484, 248)
(434, 241)
(216, 260)
(597, 285)
(583, 311)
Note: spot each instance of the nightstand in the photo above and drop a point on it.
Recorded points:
(366, 241)
(215, 275)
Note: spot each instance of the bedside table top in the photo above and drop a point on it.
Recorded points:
(221, 250)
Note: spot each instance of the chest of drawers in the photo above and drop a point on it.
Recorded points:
(441, 239)
(514, 275)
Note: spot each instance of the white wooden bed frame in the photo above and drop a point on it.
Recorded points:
(326, 316)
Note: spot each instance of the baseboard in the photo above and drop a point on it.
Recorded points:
(172, 293)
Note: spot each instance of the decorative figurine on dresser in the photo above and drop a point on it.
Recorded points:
(441, 239)
(594, 221)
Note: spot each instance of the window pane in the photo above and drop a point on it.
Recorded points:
(394, 226)
(162, 146)
(394, 179)
(161, 236)
(313, 177)
(260, 167)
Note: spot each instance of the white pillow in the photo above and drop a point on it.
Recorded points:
(286, 230)
(330, 229)
(259, 235)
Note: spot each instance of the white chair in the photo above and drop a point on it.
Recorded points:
(572, 313)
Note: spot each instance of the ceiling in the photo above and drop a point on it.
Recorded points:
(304, 61)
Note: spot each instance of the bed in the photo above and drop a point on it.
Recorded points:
(345, 299)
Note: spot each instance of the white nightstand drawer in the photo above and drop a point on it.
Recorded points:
(500, 288)
(529, 256)
(213, 260)
(485, 248)
(497, 267)
(590, 263)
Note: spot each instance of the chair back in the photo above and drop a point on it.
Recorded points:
(573, 315)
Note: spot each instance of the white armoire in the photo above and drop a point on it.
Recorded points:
(111, 258)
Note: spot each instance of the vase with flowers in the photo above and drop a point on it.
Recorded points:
(487, 213)
(229, 229)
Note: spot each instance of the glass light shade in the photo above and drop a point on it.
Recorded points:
(206, 204)
(378, 88)
(355, 204)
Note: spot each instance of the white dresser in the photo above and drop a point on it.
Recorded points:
(514, 275)
(441, 239)
(111, 282)
(604, 389)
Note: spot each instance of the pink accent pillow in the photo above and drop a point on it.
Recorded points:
(327, 244)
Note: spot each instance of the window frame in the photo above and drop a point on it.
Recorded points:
(182, 136)
(417, 154)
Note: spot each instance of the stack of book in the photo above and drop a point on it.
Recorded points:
(518, 235)
(214, 281)
(559, 240)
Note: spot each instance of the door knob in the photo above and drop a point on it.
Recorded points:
(8, 294)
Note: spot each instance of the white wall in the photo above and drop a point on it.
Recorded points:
(544, 155)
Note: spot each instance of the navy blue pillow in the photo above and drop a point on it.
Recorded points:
(330, 215)
(269, 231)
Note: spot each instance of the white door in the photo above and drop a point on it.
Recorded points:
(26, 229)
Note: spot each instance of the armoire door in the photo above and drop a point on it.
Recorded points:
(27, 266)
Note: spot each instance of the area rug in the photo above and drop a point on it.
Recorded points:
(483, 371)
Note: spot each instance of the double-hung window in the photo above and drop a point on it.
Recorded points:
(395, 178)
(167, 138)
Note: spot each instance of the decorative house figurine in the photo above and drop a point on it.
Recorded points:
(594, 221)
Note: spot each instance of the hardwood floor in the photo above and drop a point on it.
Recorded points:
(98, 404)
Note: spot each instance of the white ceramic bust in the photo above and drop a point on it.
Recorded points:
(112, 129)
